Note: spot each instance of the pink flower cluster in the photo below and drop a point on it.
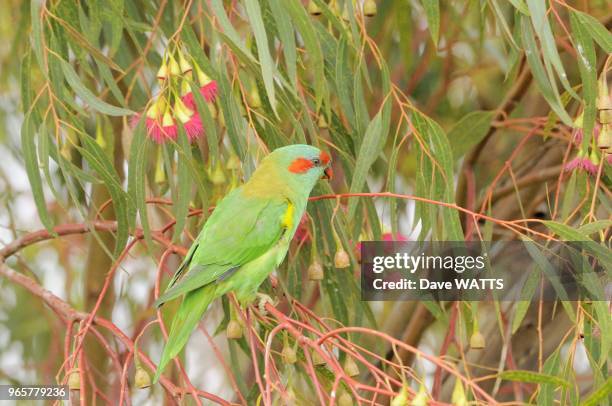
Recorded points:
(582, 163)
(162, 118)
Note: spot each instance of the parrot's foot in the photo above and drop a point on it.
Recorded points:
(262, 299)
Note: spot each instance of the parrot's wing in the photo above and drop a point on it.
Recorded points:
(239, 230)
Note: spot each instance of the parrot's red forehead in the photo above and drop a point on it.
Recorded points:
(324, 157)
(301, 165)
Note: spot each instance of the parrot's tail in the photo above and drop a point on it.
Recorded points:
(189, 314)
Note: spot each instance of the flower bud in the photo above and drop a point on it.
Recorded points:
(420, 399)
(322, 122)
(221, 117)
(185, 87)
(156, 109)
(594, 157)
(233, 162)
(173, 67)
(100, 136)
(217, 177)
(142, 380)
(254, 99)
(182, 112)
(313, 8)
(345, 399)
(212, 109)
(162, 73)
(160, 173)
(369, 8)
(477, 340)
(458, 397)
(350, 367)
(341, 259)
(74, 381)
(345, 13)
(288, 354)
(317, 359)
(233, 330)
(184, 65)
(604, 142)
(402, 397)
(203, 78)
(167, 119)
(315, 271)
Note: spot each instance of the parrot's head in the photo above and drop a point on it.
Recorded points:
(304, 164)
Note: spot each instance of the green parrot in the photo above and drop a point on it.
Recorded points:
(246, 237)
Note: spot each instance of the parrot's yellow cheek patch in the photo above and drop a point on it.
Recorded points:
(288, 217)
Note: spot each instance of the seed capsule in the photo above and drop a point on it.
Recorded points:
(314, 9)
(317, 359)
(345, 400)
(322, 122)
(217, 177)
(142, 379)
(233, 162)
(604, 142)
(458, 397)
(341, 259)
(74, 381)
(402, 398)
(350, 367)
(477, 340)
(315, 271)
(254, 99)
(369, 8)
(233, 330)
(420, 399)
(288, 354)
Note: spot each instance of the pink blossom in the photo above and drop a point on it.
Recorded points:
(582, 163)
(164, 128)
(208, 92)
(160, 133)
(579, 134)
(193, 127)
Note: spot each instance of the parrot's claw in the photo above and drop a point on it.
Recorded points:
(262, 299)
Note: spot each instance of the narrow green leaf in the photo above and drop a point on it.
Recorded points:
(541, 24)
(265, 59)
(438, 178)
(549, 92)
(37, 32)
(372, 144)
(432, 11)
(101, 163)
(533, 377)
(83, 92)
(603, 254)
(598, 31)
(137, 180)
(287, 37)
(588, 74)
(28, 147)
(528, 290)
(469, 131)
(600, 396)
(228, 28)
(183, 187)
(595, 227)
(315, 55)
(502, 20)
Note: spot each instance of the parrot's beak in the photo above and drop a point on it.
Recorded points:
(328, 173)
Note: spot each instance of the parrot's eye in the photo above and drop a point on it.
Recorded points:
(316, 161)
